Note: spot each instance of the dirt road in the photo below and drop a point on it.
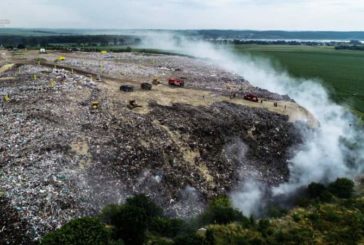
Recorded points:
(162, 94)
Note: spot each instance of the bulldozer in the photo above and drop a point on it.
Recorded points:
(6, 98)
(95, 105)
(156, 81)
(133, 104)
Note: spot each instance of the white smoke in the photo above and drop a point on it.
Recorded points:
(249, 197)
(326, 152)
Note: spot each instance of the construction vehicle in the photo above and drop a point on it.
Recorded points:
(6, 98)
(156, 81)
(95, 105)
(132, 105)
(127, 88)
(52, 84)
(146, 86)
(176, 82)
(103, 52)
(42, 51)
(61, 58)
(251, 97)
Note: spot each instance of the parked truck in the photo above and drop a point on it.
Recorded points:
(176, 82)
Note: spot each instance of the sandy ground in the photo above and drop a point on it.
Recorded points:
(166, 95)
(145, 68)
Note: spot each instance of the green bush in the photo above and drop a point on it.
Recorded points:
(276, 211)
(143, 202)
(129, 223)
(315, 190)
(220, 211)
(326, 196)
(155, 240)
(342, 188)
(263, 226)
(190, 239)
(109, 212)
(166, 227)
(80, 231)
(295, 236)
(319, 192)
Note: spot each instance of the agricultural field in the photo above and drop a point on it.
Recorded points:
(341, 72)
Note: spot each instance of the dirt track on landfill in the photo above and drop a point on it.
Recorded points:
(166, 95)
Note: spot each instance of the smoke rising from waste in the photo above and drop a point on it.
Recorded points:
(334, 149)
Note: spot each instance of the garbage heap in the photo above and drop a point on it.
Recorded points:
(61, 158)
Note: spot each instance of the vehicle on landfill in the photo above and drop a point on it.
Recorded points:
(127, 88)
(6, 98)
(146, 86)
(133, 104)
(156, 81)
(176, 82)
(95, 105)
(251, 97)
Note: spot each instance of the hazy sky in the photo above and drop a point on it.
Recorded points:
(186, 14)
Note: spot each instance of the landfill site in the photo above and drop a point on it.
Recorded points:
(83, 130)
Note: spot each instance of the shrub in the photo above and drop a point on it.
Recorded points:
(21, 46)
(190, 239)
(342, 188)
(319, 192)
(263, 225)
(129, 223)
(159, 241)
(143, 202)
(80, 231)
(326, 196)
(315, 190)
(298, 236)
(221, 212)
(166, 227)
(276, 211)
(109, 212)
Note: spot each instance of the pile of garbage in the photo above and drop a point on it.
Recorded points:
(39, 174)
(61, 158)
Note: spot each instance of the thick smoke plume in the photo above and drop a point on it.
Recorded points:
(334, 149)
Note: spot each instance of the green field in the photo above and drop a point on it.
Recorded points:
(342, 72)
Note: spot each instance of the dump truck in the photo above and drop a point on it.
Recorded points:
(127, 88)
(251, 97)
(146, 86)
(176, 82)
